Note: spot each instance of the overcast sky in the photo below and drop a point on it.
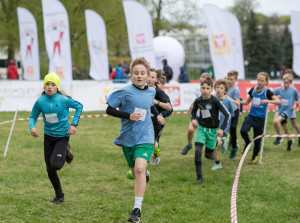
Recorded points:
(267, 7)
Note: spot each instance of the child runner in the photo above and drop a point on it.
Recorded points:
(208, 128)
(261, 96)
(162, 104)
(135, 103)
(191, 129)
(288, 95)
(221, 87)
(293, 117)
(234, 95)
(54, 106)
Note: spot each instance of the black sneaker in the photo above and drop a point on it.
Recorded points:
(147, 176)
(290, 143)
(278, 141)
(186, 149)
(57, 200)
(69, 155)
(299, 142)
(199, 180)
(135, 215)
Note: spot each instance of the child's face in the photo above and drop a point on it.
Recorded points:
(50, 88)
(139, 75)
(286, 83)
(231, 80)
(261, 81)
(152, 79)
(220, 90)
(206, 91)
(160, 85)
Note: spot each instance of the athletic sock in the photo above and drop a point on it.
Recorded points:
(138, 202)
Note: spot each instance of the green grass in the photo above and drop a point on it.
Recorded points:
(96, 188)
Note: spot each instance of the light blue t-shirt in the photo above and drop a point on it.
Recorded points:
(234, 93)
(287, 99)
(128, 99)
(231, 107)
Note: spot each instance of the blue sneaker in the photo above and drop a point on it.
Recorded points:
(233, 152)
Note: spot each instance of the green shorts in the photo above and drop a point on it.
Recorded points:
(207, 136)
(138, 151)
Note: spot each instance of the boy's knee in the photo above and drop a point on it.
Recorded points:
(209, 153)
(57, 165)
(139, 169)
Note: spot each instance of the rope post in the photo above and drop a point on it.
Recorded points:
(263, 139)
(11, 130)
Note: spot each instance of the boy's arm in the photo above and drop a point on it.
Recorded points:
(227, 115)
(236, 101)
(117, 113)
(194, 110)
(274, 100)
(246, 102)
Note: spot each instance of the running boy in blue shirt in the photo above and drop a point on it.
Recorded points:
(135, 103)
(221, 87)
(208, 128)
(261, 96)
(234, 94)
(288, 95)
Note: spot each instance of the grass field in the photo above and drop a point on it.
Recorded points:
(97, 190)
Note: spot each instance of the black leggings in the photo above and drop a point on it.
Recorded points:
(55, 149)
(198, 157)
(234, 122)
(258, 129)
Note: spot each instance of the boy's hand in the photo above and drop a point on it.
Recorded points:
(195, 124)
(161, 119)
(294, 107)
(264, 101)
(34, 132)
(135, 117)
(71, 130)
(220, 132)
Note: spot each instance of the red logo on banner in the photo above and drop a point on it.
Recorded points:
(174, 94)
(220, 44)
(140, 38)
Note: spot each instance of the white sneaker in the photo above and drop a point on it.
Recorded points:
(216, 166)
(155, 160)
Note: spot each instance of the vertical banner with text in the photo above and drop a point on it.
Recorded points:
(29, 44)
(295, 27)
(57, 39)
(225, 54)
(97, 43)
(140, 31)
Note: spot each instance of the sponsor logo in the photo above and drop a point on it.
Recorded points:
(174, 94)
(145, 154)
(29, 71)
(96, 46)
(220, 44)
(208, 107)
(104, 96)
(59, 155)
(140, 38)
(60, 72)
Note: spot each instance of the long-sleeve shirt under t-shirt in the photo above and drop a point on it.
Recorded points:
(209, 112)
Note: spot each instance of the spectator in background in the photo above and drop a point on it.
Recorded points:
(183, 77)
(168, 72)
(124, 66)
(12, 71)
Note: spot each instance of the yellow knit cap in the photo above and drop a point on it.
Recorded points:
(53, 77)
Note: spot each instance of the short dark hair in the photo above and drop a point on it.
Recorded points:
(290, 71)
(233, 73)
(208, 81)
(224, 82)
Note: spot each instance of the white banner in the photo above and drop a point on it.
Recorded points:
(220, 41)
(166, 47)
(97, 43)
(140, 31)
(57, 39)
(29, 44)
(92, 94)
(236, 44)
(295, 28)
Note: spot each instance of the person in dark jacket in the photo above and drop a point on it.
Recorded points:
(183, 77)
(168, 72)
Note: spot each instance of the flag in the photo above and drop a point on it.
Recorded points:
(225, 54)
(295, 27)
(97, 44)
(57, 39)
(29, 44)
(140, 31)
